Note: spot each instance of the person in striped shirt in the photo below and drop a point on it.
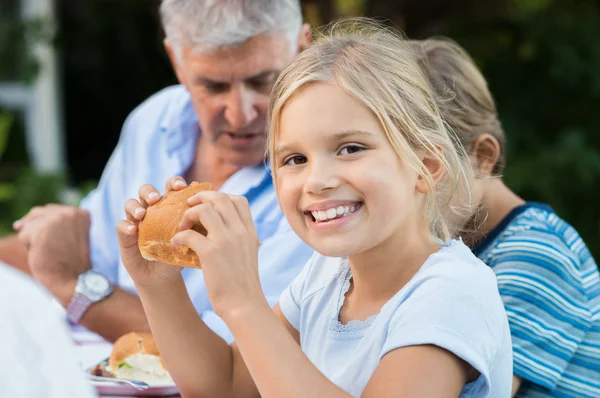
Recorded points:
(548, 280)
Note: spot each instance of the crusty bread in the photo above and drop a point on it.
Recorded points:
(130, 344)
(160, 225)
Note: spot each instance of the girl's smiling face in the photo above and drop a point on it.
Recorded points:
(341, 185)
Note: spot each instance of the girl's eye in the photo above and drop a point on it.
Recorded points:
(351, 149)
(294, 160)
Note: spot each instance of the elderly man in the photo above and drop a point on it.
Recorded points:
(227, 55)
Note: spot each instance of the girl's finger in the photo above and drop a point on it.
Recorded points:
(204, 214)
(221, 202)
(175, 184)
(134, 210)
(243, 209)
(148, 195)
(192, 239)
(127, 234)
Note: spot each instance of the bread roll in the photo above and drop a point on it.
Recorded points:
(161, 223)
(135, 357)
(130, 344)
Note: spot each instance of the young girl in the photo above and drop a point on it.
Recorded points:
(388, 306)
(547, 277)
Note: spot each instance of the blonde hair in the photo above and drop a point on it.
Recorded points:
(376, 66)
(464, 99)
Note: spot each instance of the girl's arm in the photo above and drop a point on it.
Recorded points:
(419, 371)
(200, 362)
(267, 357)
(280, 369)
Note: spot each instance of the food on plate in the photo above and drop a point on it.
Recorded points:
(135, 357)
(161, 223)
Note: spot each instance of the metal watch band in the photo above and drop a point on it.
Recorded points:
(77, 307)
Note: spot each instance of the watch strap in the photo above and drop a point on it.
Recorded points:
(77, 307)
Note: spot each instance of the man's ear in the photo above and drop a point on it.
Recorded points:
(174, 61)
(304, 37)
(485, 152)
(435, 168)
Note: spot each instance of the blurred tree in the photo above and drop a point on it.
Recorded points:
(542, 60)
(113, 60)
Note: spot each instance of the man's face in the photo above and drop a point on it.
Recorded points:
(230, 93)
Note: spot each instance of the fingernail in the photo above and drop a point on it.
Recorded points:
(153, 196)
(17, 224)
(180, 184)
(138, 211)
(131, 228)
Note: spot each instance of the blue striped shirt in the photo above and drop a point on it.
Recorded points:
(159, 141)
(550, 286)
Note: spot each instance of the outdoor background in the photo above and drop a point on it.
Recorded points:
(540, 57)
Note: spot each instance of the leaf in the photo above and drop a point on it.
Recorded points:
(124, 364)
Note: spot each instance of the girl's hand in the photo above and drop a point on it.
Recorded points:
(229, 252)
(142, 271)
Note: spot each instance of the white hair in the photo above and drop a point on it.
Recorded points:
(207, 25)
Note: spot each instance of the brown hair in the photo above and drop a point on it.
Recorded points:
(463, 97)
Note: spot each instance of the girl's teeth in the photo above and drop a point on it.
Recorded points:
(329, 214)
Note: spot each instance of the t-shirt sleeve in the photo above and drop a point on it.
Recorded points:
(543, 293)
(291, 298)
(458, 309)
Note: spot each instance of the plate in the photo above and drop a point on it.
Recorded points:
(155, 390)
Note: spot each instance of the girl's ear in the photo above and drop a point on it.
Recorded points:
(435, 168)
(484, 155)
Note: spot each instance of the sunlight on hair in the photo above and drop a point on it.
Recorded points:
(375, 64)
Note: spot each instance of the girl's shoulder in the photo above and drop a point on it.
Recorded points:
(455, 261)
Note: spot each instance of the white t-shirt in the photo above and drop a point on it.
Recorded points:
(37, 353)
(452, 302)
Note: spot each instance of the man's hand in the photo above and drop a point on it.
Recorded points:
(57, 239)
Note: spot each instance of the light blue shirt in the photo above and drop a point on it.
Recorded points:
(158, 141)
(451, 302)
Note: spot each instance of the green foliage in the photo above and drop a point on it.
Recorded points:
(16, 39)
(542, 61)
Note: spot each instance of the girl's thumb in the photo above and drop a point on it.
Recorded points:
(128, 242)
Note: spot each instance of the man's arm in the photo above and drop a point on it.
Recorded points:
(118, 314)
(14, 253)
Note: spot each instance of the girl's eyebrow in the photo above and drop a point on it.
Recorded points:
(349, 133)
(335, 137)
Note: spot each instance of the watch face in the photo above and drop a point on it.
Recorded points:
(96, 283)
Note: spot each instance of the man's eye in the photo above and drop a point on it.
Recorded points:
(294, 160)
(216, 87)
(351, 149)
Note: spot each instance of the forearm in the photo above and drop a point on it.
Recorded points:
(14, 253)
(276, 362)
(199, 361)
(119, 314)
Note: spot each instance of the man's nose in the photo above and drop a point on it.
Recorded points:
(240, 109)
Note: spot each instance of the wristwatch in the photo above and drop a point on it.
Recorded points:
(91, 287)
